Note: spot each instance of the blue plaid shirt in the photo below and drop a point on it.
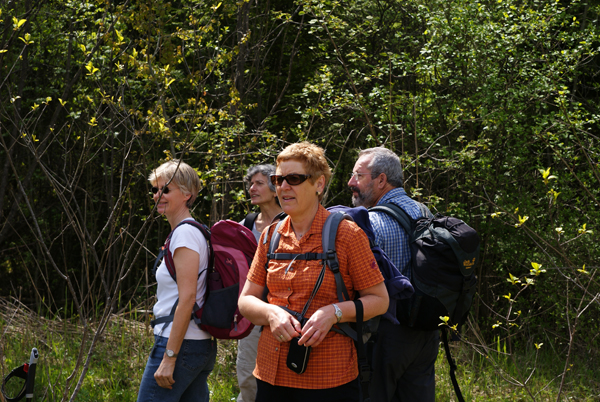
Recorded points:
(389, 235)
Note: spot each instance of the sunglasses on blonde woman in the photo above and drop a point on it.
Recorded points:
(293, 179)
(165, 190)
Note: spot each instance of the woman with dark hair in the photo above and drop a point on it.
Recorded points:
(183, 355)
(332, 371)
(262, 193)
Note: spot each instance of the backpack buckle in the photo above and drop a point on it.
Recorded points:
(330, 257)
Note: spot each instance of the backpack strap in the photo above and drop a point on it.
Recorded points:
(274, 243)
(300, 316)
(166, 318)
(329, 234)
(250, 219)
(279, 217)
(397, 213)
(364, 368)
(168, 257)
(453, 367)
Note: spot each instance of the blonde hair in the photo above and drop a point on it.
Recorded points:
(313, 157)
(181, 174)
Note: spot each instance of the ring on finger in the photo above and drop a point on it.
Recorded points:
(281, 337)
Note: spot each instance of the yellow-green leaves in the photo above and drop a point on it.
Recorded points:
(90, 67)
(513, 279)
(583, 271)
(546, 175)
(524, 282)
(83, 49)
(27, 39)
(17, 23)
(553, 195)
(119, 37)
(583, 230)
(446, 322)
(537, 269)
(522, 220)
(528, 282)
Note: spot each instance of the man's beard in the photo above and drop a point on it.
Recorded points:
(363, 199)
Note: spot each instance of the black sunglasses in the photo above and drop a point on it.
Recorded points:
(165, 190)
(293, 179)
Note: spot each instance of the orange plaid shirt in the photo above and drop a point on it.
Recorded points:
(333, 362)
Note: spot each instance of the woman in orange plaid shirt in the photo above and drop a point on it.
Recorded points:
(332, 370)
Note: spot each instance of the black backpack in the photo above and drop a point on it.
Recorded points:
(444, 252)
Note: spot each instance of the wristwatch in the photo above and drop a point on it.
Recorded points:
(170, 353)
(338, 313)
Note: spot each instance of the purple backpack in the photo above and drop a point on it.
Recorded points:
(231, 250)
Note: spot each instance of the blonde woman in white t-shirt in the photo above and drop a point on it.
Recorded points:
(183, 355)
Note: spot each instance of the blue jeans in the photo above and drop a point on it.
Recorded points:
(195, 362)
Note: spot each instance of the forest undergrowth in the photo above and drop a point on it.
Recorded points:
(120, 356)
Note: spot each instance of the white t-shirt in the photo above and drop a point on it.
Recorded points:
(167, 293)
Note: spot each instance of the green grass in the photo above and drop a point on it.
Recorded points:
(520, 377)
(117, 364)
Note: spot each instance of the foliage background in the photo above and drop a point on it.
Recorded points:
(491, 105)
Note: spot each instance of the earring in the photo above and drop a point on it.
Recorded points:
(318, 193)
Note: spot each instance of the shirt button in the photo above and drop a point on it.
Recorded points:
(289, 288)
(276, 349)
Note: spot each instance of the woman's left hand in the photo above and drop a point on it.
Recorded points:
(317, 326)
(164, 373)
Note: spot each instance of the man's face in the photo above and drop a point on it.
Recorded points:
(361, 184)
